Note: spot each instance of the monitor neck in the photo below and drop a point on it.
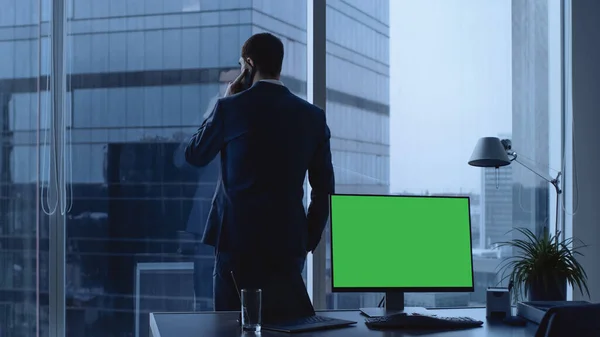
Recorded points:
(394, 300)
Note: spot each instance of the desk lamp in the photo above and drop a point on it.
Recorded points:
(493, 152)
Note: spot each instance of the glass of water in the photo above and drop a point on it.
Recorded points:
(251, 309)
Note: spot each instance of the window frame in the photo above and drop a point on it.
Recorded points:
(568, 186)
(316, 94)
(57, 220)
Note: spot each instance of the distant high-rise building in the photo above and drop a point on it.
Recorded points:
(496, 203)
(531, 110)
(512, 196)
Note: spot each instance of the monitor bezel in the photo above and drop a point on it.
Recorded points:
(335, 289)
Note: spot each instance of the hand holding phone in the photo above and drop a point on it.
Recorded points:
(243, 81)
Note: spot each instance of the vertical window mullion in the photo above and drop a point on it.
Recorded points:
(57, 233)
(316, 94)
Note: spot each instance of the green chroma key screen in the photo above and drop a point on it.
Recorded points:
(383, 242)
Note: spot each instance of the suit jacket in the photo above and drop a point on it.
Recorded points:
(268, 139)
(207, 174)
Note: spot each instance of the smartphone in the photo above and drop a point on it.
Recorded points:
(249, 75)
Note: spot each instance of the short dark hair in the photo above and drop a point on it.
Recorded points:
(266, 51)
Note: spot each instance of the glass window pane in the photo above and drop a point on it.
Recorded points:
(358, 112)
(24, 234)
(408, 98)
(142, 76)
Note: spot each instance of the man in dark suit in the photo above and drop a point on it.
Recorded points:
(268, 139)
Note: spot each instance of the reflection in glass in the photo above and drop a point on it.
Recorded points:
(24, 254)
(358, 111)
(141, 76)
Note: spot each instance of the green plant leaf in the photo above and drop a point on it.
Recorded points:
(545, 260)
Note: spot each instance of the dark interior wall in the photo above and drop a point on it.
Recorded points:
(586, 138)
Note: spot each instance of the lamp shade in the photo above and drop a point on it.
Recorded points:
(489, 152)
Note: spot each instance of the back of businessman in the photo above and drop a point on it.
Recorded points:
(268, 139)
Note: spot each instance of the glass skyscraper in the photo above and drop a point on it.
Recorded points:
(140, 75)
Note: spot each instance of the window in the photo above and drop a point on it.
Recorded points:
(24, 244)
(428, 78)
(410, 86)
(358, 111)
(140, 77)
(143, 74)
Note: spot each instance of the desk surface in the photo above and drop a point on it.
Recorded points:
(225, 324)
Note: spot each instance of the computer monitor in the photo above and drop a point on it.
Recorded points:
(398, 243)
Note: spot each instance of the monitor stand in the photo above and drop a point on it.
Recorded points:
(394, 304)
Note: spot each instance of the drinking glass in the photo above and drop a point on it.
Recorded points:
(251, 309)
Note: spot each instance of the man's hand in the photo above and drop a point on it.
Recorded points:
(238, 84)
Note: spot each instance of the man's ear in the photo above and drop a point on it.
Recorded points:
(250, 62)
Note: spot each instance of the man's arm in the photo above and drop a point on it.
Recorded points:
(179, 155)
(322, 182)
(207, 142)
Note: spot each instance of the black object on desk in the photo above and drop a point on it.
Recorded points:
(286, 306)
(534, 311)
(310, 323)
(515, 321)
(579, 320)
(419, 321)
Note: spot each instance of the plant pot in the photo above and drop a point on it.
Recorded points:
(556, 291)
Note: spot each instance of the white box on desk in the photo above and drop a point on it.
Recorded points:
(498, 302)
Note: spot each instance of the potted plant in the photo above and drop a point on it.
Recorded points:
(542, 267)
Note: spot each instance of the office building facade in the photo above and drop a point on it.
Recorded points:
(358, 111)
(498, 202)
(140, 77)
(536, 103)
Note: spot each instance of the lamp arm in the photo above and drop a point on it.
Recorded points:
(554, 181)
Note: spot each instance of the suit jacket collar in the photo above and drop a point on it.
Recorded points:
(278, 82)
(270, 86)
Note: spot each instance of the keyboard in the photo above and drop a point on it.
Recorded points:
(311, 323)
(420, 321)
(313, 320)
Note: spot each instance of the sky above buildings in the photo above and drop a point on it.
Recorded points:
(450, 84)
